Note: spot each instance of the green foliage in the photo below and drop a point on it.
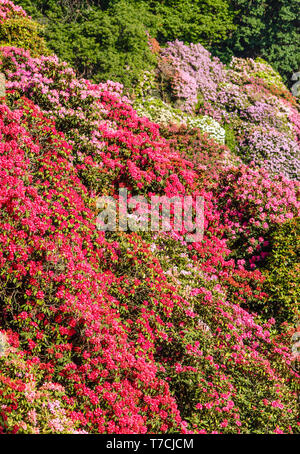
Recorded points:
(193, 21)
(25, 33)
(230, 141)
(268, 29)
(271, 77)
(283, 273)
(105, 39)
(101, 45)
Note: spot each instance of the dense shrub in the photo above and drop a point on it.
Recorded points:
(164, 114)
(107, 40)
(252, 204)
(193, 74)
(249, 100)
(282, 272)
(269, 30)
(208, 156)
(77, 308)
(101, 45)
(68, 322)
(78, 355)
(18, 30)
(193, 21)
(130, 332)
(226, 27)
(10, 10)
(30, 403)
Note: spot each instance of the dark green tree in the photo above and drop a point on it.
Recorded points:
(193, 21)
(269, 29)
(101, 40)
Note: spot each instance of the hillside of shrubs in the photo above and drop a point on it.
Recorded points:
(106, 39)
(142, 332)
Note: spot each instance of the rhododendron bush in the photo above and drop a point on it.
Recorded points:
(134, 332)
(17, 29)
(249, 97)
